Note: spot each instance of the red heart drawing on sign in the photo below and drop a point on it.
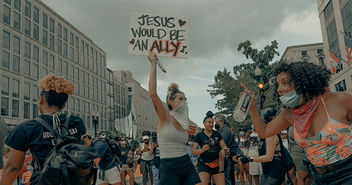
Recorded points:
(132, 41)
(181, 22)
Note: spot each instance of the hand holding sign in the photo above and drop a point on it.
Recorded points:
(153, 58)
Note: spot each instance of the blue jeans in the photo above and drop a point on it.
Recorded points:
(156, 177)
(227, 169)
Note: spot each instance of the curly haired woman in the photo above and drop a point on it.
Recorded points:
(320, 119)
(31, 135)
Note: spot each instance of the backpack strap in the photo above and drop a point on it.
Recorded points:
(67, 121)
(47, 126)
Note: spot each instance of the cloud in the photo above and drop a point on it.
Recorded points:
(216, 28)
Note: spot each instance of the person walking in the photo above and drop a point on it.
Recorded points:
(146, 160)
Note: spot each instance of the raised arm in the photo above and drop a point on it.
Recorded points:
(163, 114)
(272, 128)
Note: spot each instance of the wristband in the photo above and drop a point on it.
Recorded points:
(251, 159)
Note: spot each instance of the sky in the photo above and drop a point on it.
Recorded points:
(216, 27)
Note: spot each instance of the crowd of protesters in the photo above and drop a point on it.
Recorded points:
(308, 142)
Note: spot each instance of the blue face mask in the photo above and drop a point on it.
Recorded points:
(291, 99)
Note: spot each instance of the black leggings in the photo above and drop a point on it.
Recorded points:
(178, 171)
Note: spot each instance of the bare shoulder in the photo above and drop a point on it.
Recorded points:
(341, 98)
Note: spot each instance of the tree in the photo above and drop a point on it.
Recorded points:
(227, 85)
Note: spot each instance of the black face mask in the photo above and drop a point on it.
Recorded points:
(217, 126)
(147, 142)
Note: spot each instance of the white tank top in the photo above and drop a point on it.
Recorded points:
(146, 155)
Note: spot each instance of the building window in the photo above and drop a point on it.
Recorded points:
(35, 71)
(65, 68)
(6, 40)
(321, 61)
(27, 50)
(17, 20)
(15, 88)
(35, 95)
(16, 63)
(45, 59)
(328, 10)
(5, 85)
(4, 106)
(52, 25)
(59, 65)
(27, 27)
(27, 9)
(304, 53)
(72, 39)
(5, 59)
(35, 111)
(65, 34)
(6, 16)
(59, 30)
(65, 49)
(45, 21)
(59, 45)
(36, 32)
(332, 39)
(26, 112)
(71, 53)
(52, 62)
(45, 37)
(341, 86)
(36, 15)
(346, 13)
(15, 108)
(26, 91)
(319, 51)
(17, 5)
(35, 53)
(26, 67)
(16, 44)
(52, 41)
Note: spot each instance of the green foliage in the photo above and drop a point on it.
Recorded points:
(227, 85)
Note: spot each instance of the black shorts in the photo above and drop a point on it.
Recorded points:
(178, 171)
(202, 167)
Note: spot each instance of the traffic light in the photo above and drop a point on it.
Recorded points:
(261, 93)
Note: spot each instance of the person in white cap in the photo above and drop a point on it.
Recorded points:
(146, 160)
(283, 136)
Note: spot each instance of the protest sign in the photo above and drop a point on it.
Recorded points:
(165, 35)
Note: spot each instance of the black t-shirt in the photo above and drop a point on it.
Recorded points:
(214, 145)
(31, 135)
(105, 153)
(124, 157)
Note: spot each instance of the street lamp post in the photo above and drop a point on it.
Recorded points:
(95, 119)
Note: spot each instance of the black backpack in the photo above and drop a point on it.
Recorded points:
(68, 163)
(115, 153)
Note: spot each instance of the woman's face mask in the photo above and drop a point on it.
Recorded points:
(241, 134)
(180, 113)
(291, 99)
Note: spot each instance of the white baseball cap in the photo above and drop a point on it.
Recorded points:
(145, 137)
(284, 132)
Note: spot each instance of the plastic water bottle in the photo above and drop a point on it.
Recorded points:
(242, 107)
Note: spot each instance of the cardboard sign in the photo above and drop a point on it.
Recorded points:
(192, 130)
(165, 35)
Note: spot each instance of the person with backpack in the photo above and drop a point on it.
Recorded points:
(146, 160)
(107, 160)
(42, 136)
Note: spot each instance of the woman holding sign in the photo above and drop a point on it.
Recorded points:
(320, 119)
(176, 167)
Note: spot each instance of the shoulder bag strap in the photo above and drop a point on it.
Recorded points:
(47, 126)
